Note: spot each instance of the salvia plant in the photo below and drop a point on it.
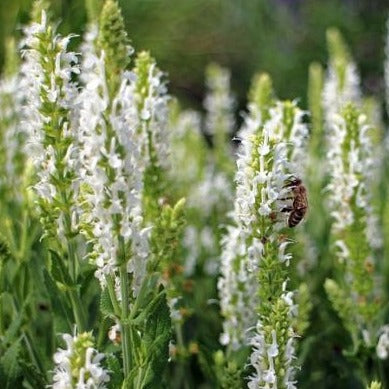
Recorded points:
(147, 245)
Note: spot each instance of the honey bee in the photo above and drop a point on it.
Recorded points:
(299, 206)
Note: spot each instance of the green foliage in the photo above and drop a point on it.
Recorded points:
(343, 305)
(304, 309)
(167, 233)
(61, 309)
(9, 363)
(114, 367)
(229, 372)
(106, 305)
(152, 354)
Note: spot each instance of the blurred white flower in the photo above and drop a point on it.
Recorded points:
(78, 365)
(382, 348)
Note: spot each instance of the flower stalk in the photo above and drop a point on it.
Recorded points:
(270, 158)
(47, 69)
(351, 162)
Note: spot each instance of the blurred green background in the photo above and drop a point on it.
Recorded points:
(278, 36)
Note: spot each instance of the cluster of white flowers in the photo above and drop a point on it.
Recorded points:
(112, 169)
(290, 139)
(337, 92)
(341, 88)
(269, 151)
(239, 262)
(219, 102)
(46, 72)
(346, 169)
(267, 349)
(13, 134)
(208, 189)
(212, 192)
(273, 170)
(265, 373)
(238, 289)
(352, 163)
(78, 365)
(151, 99)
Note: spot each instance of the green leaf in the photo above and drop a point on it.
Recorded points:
(147, 290)
(59, 271)
(106, 306)
(10, 363)
(147, 311)
(206, 362)
(86, 278)
(60, 309)
(33, 376)
(115, 371)
(5, 253)
(156, 343)
(13, 329)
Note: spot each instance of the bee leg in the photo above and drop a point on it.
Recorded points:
(286, 198)
(290, 184)
(287, 209)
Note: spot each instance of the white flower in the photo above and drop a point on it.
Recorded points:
(78, 365)
(114, 333)
(272, 351)
(382, 348)
(219, 102)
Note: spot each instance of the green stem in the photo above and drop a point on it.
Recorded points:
(9, 233)
(36, 360)
(1, 315)
(78, 310)
(124, 317)
(381, 373)
(182, 366)
(112, 295)
(139, 380)
(24, 237)
(72, 259)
